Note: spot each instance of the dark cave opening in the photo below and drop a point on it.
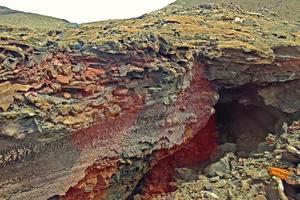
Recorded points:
(241, 120)
(244, 125)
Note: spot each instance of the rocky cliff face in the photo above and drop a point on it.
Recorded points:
(110, 109)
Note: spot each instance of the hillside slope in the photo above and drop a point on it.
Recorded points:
(285, 9)
(14, 18)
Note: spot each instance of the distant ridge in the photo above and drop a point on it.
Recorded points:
(15, 18)
(6, 11)
(285, 9)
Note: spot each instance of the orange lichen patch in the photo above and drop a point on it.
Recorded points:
(95, 182)
(63, 79)
(120, 91)
(97, 71)
(283, 174)
(295, 126)
(67, 95)
(91, 73)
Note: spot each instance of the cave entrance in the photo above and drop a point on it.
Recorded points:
(244, 125)
(243, 119)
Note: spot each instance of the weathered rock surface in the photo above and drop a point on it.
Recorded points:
(87, 110)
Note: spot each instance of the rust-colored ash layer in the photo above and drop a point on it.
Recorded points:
(191, 153)
(87, 110)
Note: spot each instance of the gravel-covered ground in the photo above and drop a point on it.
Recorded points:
(272, 173)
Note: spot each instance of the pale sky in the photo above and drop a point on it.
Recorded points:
(81, 11)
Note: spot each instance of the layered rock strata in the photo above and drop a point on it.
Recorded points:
(87, 110)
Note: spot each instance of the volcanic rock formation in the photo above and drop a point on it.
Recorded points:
(109, 109)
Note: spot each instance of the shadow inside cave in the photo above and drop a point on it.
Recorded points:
(240, 125)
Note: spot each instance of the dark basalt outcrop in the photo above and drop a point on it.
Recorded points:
(96, 111)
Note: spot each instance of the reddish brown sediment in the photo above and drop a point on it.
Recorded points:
(160, 179)
(112, 125)
(94, 183)
(200, 141)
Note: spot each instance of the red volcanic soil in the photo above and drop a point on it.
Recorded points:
(159, 179)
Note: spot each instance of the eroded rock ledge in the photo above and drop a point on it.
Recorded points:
(86, 111)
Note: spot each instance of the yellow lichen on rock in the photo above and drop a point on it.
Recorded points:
(6, 95)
